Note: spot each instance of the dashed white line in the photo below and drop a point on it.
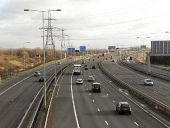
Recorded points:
(142, 105)
(113, 101)
(126, 93)
(98, 109)
(93, 101)
(120, 90)
(136, 124)
(155, 92)
(106, 123)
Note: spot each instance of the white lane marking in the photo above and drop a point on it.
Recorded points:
(72, 96)
(14, 85)
(136, 124)
(26, 112)
(120, 90)
(113, 101)
(147, 112)
(110, 81)
(93, 101)
(85, 84)
(52, 97)
(107, 94)
(89, 94)
(106, 122)
(142, 105)
(155, 92)
(98, 109)
(126, 93)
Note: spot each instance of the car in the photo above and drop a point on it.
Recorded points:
(113, 61)
(86, 68)
(91, 79)
(93, 67)
(96, 87)
(77, 71)
(123, 108)
(148, 82)
(79, 81)
(41, 79)
(37, 73)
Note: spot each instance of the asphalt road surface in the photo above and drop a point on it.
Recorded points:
(16, 98)
(76, 106)
(159, 91)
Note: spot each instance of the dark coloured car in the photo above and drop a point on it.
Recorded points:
(96, 87)
(123, 108)
(86, 68)
(41, 79)
(93, 67)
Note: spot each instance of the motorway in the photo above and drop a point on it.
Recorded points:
(75, 106)
(16, 97)
(160, 90)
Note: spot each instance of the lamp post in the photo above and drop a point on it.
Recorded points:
(148, 56)
(24, 52)
(44, 59)
(143, 38)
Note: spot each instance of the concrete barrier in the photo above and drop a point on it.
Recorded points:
(153, 103)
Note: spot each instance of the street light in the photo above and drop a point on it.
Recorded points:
(44, 70)
(148, 56)
(143, 38)
(24, 52)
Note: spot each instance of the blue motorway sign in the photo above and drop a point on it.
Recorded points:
(111, 47)
(82, 48)
(70, 50)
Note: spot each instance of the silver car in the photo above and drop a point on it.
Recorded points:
(79, 81)
(91, 79)
(37, 73)
(148, 82)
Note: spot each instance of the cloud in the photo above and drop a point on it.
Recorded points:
(114, 21)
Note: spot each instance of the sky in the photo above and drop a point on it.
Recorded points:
(94, 23)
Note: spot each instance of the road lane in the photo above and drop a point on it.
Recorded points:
(62, 109)
(95, 110)
(159, 91)
(112, 96)
(15, 101)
